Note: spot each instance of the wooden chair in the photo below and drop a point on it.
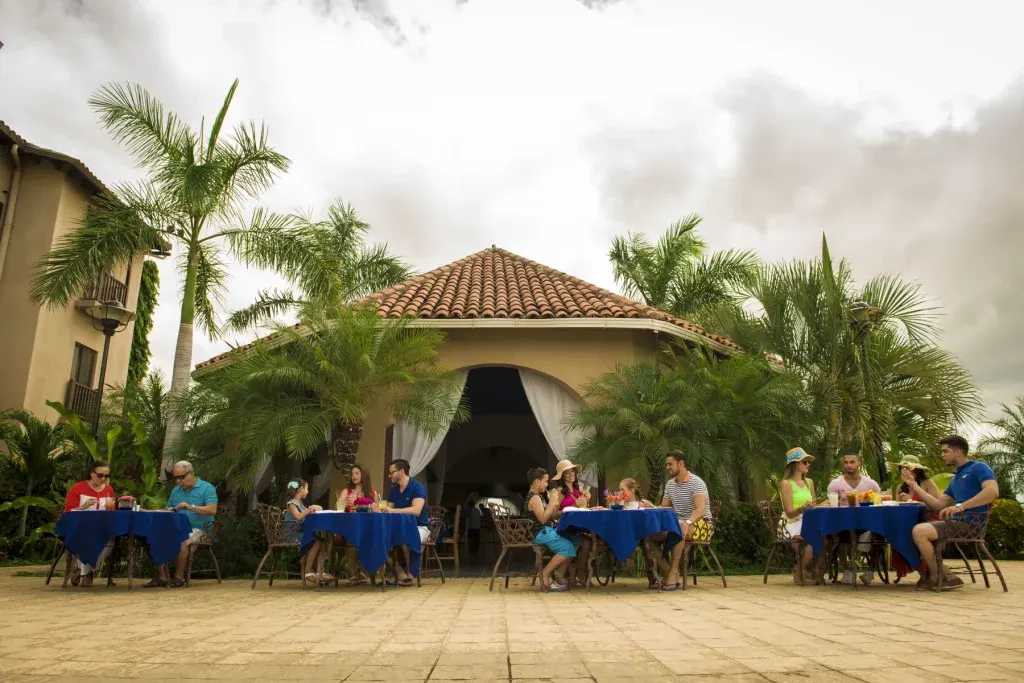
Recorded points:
(450, 545)
(272, 519)
(700, 544)
(514, 533)
(771, 515)
(428, 549)
(206, 541)
(975, 536)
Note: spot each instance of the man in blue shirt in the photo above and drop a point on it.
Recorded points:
(408, 497)
(961, 508)
(198, 500)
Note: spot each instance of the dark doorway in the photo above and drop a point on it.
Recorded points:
(488, 456)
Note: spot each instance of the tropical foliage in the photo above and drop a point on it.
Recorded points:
(677, 275)
(34, 447)
(729, 415)
(340, 268)
(303, 387)
(194, 197)
(145, 310)
(1004, 449)
(866, 355)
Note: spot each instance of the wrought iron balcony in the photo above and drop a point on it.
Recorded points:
(107, 289)
(82, 400)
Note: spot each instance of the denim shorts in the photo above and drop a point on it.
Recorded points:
(556, 543)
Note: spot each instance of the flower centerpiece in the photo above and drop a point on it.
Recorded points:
(615, 499)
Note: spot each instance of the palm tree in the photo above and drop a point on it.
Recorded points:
(1005, 449)
(731, 416)
(675, 275)
(193, 198)
(866, 356)
(147, 402)
(33, 446)
(340, 268)
(313, 384)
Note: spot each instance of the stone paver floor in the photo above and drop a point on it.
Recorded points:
(460, 631)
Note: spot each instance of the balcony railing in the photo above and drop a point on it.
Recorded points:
(107, 289)
(82, 400)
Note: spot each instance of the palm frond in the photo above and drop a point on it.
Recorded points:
(138, 120)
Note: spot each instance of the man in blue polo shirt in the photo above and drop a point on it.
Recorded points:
(408, 497)
(961, 508)
(198, 500)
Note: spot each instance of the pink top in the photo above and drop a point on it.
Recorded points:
(842, 487)
(569, 499)
(361, 500)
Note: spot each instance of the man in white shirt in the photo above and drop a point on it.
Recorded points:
(853, 479)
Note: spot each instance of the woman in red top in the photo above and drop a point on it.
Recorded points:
(357, 492)
(95, 493)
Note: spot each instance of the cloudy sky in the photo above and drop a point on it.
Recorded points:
(547, 126)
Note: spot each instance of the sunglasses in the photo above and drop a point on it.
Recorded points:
(179, 477)
(102, 476)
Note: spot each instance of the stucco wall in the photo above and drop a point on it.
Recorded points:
(574, 357)
(39, 352)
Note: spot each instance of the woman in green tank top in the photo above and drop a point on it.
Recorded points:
(797, 493)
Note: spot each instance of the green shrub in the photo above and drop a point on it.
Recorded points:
(1005, 535)
(240, 545)
(741, 538)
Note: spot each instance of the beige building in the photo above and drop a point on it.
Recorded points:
(52, 354)
(526, 340)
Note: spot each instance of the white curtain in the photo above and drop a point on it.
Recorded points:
(409, 443)
(552, 405)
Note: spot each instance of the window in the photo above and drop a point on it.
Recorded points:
(82, 365)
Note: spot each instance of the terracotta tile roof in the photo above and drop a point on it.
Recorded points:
(29, 148)
(497, 284)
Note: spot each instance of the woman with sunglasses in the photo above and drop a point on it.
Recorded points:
(95, 493)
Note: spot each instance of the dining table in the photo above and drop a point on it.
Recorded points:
(86, 532)
(895, 522)
(621, 530)
(373, 534)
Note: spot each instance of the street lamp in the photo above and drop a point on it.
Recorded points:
(109, 317)
(863, 317)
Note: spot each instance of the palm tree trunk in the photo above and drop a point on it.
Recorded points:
(655, 477)
(181, 371)
(23, 522)
(345, 445)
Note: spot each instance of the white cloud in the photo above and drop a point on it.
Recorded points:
(547, 126)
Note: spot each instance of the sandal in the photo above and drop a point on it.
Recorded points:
(155, 583)
(177, 583)
(669, 587)
(309, 578)
(406, 582)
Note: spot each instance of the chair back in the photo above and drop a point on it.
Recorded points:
(512, 531)
(435, 522)
(272, 519)
(771, 516)
(978, 524)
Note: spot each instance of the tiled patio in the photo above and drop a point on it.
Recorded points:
(459, 631)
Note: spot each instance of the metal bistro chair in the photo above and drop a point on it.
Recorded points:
(428, 550)
(272, 519)
(207, 541)
(514, 533)
(771, 514)
(700, 544)
(975, 537)
(450, 544)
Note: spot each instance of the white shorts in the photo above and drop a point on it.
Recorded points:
(424, 533)
(194, 537)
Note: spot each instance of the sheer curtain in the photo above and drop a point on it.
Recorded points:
(409, 443)
(552, 405)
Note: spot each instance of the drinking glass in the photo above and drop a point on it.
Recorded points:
(833, 499)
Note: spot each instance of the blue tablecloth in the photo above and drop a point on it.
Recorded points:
(622, 530)
(85, 532)
(373, 534)
(894, 522)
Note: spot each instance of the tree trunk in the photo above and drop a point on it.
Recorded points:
(23, 523)
(344, 446)
(655, 479)
(180, 375)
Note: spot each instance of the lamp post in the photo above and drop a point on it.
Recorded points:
(863, 317)
(109, 317)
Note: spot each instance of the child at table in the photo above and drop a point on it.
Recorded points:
(295, 512)
(630, 494)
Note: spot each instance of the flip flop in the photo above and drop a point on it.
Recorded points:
(669, 587)
(406, 582)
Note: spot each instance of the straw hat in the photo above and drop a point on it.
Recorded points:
(561, 468)
(798, 455)
(911, 462)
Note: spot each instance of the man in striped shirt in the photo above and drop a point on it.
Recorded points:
(687, 494)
